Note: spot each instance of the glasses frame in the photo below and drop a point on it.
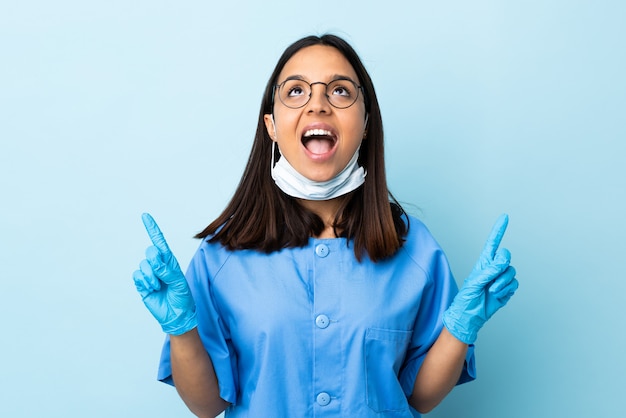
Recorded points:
(276, 88)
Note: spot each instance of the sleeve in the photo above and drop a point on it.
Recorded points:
(435, 299)
(213, 332)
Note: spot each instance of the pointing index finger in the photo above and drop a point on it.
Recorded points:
(156, 236)
(495, 237)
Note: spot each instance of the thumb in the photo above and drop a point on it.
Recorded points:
(165, 267)
(502, 258)
(487, 270)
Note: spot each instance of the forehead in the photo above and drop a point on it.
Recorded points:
(318, 63)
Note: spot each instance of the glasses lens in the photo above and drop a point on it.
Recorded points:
(294, 93)
(342, 93)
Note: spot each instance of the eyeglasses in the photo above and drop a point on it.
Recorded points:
(295, 92)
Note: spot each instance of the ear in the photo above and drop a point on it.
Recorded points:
(270, 126)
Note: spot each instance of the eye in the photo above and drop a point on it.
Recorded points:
(341, 88)
(295, 88)
(295, 91)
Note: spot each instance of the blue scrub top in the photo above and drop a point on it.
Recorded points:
(311, 331)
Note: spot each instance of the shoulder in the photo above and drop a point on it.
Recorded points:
(418, 236)
(422, 248)
(213, 260)
(208, 260)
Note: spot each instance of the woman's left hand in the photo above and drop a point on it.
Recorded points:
(488, 288)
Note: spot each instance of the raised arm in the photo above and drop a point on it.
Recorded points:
(166, 294)
(488, 288)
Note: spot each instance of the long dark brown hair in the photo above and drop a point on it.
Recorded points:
(261, 216)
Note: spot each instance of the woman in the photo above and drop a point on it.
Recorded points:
(313, 293)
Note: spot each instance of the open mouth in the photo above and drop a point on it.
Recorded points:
(318, 141)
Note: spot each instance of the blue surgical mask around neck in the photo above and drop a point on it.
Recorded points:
(290, 181)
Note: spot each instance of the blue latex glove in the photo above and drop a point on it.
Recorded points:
(162, 285)
(488, 288)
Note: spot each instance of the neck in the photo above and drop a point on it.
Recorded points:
(327, 211)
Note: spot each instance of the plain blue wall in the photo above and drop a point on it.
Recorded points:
(112, 108)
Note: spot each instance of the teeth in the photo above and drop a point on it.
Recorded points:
(317, 132)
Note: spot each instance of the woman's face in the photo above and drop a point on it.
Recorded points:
(317, 139)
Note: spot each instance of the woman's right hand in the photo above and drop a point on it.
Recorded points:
(162, 285)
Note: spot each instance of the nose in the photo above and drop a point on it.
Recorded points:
(318, 103)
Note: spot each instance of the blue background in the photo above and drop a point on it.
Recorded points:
(112, 108)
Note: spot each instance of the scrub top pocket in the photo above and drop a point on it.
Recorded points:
(385, 350)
